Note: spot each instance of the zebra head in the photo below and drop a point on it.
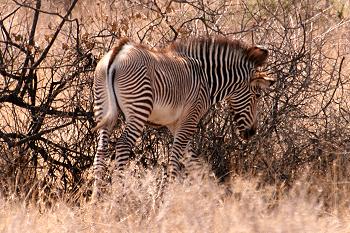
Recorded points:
(243, 104)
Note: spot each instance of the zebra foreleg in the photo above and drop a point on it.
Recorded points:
(181, 140)
(193, 163)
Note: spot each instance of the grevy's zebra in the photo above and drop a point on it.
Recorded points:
(173, 87)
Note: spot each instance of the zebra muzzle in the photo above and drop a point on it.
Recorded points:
(247, 133)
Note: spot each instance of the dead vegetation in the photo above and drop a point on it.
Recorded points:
(200, 207)
(49, 50)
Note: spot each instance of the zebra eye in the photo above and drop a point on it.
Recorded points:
(257, 92)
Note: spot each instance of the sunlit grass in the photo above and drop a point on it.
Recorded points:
(201, 205)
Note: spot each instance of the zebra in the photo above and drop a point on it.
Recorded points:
(174, 87)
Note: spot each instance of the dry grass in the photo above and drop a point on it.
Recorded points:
(203, 206)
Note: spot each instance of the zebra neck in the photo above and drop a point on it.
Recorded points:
(219, 91)
(220, 79)
(218, 82)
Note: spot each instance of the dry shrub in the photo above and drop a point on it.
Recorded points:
(49, 50)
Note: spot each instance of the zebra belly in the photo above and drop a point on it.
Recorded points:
(165, 115)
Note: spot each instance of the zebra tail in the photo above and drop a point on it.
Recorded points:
(106, 108)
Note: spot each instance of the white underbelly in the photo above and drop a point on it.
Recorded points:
(165, 115)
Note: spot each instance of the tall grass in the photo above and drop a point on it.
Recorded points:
(201, 205)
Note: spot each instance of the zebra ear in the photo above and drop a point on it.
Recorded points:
(262, 80)
(258, 55)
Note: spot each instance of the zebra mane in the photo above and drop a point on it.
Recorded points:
(206, 42)
(184, 46)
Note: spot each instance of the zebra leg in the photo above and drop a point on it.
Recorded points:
(100, 163)
(193, 164)
(181, 140)
(125, 143)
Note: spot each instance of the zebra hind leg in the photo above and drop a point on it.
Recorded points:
(124, 145)
(100, 166)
